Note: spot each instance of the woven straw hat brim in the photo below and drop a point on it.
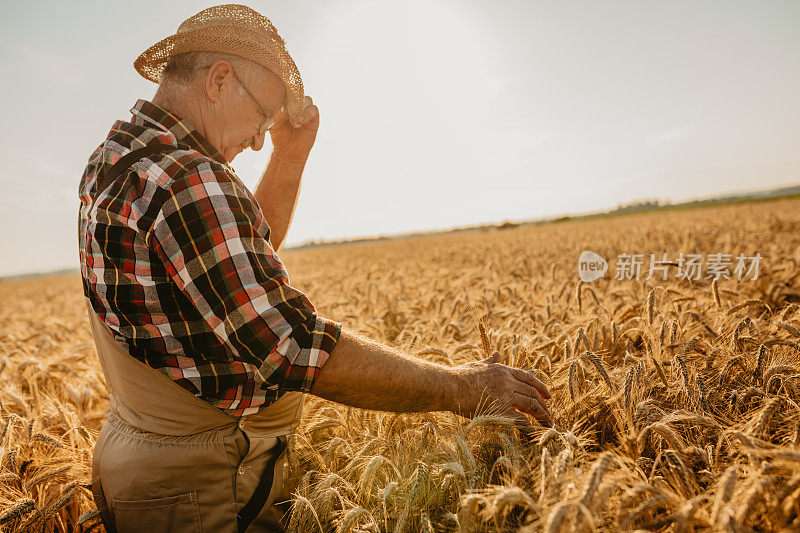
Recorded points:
(231, 39)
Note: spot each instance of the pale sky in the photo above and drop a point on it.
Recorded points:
(434, 113)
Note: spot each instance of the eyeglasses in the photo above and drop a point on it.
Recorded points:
(270, 120)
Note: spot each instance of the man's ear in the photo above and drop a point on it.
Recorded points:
(219, 75)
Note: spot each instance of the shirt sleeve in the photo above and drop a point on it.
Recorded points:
(214, 242)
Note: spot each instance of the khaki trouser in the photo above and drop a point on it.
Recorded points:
(166, 460)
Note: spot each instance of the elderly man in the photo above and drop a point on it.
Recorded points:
(206, 348)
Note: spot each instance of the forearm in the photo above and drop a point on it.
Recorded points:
(364, 373)
(276, 194)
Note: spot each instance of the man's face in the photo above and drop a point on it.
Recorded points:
(240, 117)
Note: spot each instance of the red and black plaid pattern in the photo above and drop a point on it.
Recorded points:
(175, 258)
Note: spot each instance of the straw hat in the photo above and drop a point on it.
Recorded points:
(233, 29)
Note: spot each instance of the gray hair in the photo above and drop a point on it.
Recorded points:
(183, 71)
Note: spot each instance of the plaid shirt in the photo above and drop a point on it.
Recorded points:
(176, 260)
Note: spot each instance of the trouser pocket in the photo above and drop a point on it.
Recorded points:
(178, 483)
(179, 514)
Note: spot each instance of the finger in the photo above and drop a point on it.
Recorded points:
(533, 381)
(307, 103)
(494, 358)
(529, 405)
(281, 118)
(530, 392)
(309, 113)
(538, 402)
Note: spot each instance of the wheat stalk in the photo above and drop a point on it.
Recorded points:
(598, 364)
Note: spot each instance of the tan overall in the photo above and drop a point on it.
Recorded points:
(166, 460)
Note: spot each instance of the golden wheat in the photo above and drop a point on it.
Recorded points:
(675, 402)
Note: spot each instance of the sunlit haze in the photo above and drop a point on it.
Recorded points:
(434, 114)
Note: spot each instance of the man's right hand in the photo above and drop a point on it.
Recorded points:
(513, 390)
(365, 373)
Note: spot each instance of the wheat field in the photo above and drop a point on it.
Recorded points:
(675, 403)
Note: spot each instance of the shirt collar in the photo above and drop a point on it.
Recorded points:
(146, 112)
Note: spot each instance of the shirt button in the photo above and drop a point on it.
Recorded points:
(242, 468)
(241, 424)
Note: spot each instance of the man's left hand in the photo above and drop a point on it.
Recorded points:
(292, 144)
